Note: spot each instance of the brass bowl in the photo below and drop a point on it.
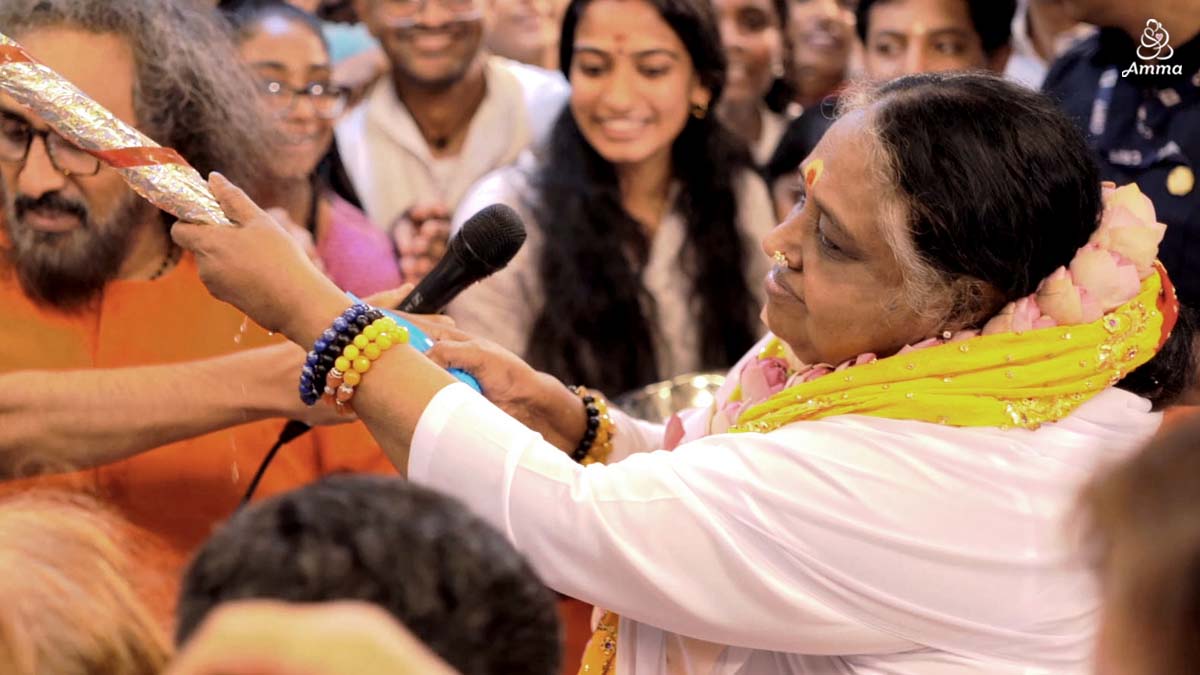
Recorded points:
(657, 402)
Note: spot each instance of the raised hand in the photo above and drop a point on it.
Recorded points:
(258, 267)
(421, 235)
(535, 399)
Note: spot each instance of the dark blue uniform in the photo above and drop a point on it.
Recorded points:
(1141, 112)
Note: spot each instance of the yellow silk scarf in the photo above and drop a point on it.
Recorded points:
(1005, 380)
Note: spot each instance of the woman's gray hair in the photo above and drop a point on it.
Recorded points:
(191, 92)
(953, 302)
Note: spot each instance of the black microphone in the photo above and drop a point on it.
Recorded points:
(487, 242)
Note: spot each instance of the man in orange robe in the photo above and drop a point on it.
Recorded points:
(119, 373)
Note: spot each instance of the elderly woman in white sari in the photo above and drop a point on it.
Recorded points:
(964, 323)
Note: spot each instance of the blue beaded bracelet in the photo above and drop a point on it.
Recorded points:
(320, 358)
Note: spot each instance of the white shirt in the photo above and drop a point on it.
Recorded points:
(391, 166)
(505, 306)
(851, 544)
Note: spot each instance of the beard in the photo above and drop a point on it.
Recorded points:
(68, 270)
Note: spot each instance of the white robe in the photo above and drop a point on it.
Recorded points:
(851, 544)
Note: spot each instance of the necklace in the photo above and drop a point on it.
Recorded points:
(169, 260)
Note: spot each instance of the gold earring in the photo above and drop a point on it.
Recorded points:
(699, 111)
(780, 258)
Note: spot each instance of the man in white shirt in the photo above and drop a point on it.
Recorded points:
(445, 115)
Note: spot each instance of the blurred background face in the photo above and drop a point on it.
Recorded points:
(921, 36)
(632, 81)
(753, 40)
(431, 43)
(288, 56)
(523, 30)
(822, 36)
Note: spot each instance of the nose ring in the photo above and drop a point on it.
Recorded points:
(780, 258)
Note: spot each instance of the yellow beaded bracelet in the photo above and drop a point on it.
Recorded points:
(357, 357)
(597, 442)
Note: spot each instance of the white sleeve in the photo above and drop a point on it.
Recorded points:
(633, 435)
(681, 541)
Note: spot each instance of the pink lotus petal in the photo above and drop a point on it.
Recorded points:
(1025, 313)
(1136, 240)
(1130, 197)
(1058, 298)
(1090, 308)
(813, 373)
(1107, 281)
(1002, 322)
(928, 342)
(674, 433)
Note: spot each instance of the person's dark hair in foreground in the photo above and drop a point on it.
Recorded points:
(448, 576)
(1143, 533)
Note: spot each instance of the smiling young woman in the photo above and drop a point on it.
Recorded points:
(284, 47)
(643, 212)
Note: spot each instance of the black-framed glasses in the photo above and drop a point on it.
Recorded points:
(16, 137)
(328, 100)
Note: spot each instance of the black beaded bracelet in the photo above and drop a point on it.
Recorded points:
(593, 425)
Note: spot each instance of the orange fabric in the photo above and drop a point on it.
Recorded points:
(576, 619)
(181, 491)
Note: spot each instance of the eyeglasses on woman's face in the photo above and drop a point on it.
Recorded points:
(328, 101)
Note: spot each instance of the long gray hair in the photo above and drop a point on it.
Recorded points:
(191, 92)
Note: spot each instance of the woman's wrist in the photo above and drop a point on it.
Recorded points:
(561, 409)
(315, 315)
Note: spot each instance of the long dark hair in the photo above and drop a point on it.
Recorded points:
(1001, 189)
(596, 324)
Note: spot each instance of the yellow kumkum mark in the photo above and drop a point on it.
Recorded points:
(812, 172)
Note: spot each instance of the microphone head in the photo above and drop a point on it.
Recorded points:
(489, 238)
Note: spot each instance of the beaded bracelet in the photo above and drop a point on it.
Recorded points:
(596, 444)
(325, 350)
(356, 358)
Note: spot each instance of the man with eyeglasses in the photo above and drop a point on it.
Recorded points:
(119, 373)
(446, 114)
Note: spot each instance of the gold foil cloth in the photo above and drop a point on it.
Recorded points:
(175, 188)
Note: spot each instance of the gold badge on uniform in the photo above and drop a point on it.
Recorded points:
(1180, 181)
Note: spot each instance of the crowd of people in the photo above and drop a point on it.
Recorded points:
(943, 250)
